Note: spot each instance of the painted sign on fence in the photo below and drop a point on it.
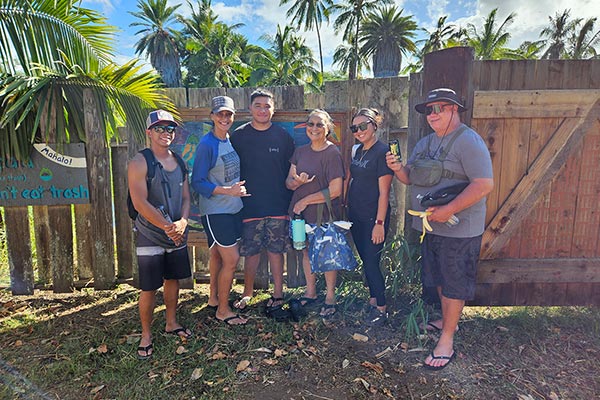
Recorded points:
(49, 178)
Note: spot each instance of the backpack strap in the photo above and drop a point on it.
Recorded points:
(445, 151)
(150, 164)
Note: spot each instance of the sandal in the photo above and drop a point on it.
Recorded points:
(181, 332)
(328, 310)
(274, 302)
(147, 349)
(307, 301)
(229, 320)
(242, 303)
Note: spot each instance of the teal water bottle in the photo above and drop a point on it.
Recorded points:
(298, 232)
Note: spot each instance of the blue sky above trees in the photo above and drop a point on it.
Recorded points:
(263, 16)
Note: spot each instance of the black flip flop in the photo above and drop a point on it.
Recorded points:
(145, 349)
(229, 319)
(177, 332)
(434, 357)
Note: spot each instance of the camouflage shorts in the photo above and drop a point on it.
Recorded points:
(270, 233)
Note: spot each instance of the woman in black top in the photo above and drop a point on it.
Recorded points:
(368, 202)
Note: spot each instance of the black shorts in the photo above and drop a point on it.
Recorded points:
(224, 230)
(452, 264)
(155, 263)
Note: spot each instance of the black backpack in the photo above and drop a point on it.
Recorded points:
(151, 163)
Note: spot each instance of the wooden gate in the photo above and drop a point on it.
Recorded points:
(540, 120)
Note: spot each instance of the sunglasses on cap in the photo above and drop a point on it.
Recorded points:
(362, 126)
(160, 129)
(436, 108)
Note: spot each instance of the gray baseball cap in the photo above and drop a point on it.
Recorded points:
(438, 95)
(220, 103)
(159, 116)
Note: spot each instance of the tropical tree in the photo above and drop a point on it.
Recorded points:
(311, 14)
(50, 53)
(288, 62)
(528, 50)
(489, 44)
(213, 51)
(560, 28)
(351, 16)
(583, 41)
(349, 60)
(441, 37)
(158, 40)
(386, 35)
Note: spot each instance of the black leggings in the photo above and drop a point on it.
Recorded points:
(370, 255)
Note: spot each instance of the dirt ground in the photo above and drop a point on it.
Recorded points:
(503, 353)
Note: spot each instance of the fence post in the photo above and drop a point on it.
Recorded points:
(98, 167)
(18, 244)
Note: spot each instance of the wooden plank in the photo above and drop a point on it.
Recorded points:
(240, 97)
(201, 97)
(451, 68)
(18, 244)
(61, 247)
(42, 244)
(544, 294)
(123, 224)
(178, 96)
(551, 159)
(538, 270)
(491, 132)
(83, 243)
(534, 230)
(515, 148)
(337, 95)
(533, 103)
(292, 98)
(98, 166)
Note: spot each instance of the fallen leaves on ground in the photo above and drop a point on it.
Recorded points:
(196, 374)
(360, 337)
(375, 367)
(242, 366)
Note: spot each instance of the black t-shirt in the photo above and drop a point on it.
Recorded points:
(265, 163)
(366, 169)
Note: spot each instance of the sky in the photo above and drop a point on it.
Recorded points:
(262, 16)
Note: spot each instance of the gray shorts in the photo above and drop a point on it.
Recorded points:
(452, 264)
(271, 233)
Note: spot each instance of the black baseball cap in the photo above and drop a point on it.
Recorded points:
(438, 95)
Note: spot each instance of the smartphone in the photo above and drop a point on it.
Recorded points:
(395, 149)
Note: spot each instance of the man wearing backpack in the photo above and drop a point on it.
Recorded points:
(452, 154)
(160, 193)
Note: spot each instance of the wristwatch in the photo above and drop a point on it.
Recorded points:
(378, 222)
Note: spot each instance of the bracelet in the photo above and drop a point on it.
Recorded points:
(378, 222)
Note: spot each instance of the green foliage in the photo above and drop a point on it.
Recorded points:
(401, 261)
(385, 36)
(490, 42)
(51, 52)
(159, 39)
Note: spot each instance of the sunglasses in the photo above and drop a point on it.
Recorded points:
(160, 129)
(436, 108)
(362, 126)
(318, 125)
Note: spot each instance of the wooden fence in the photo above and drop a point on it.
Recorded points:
(540, 119)
(99, 251)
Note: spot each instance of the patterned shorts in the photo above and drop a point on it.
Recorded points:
(270, 233)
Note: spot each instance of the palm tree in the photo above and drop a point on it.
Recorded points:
(559, 29)
(443, 36)
(528, 50)
(158, 40)
(490, 43)
(288, 62)
(582, 42)
(213, 51)
(349, 60)
(50, 52)
(386, 35)
(351, 15)
(311, 13)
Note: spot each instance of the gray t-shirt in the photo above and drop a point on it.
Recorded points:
(468, 156)
(166, 189)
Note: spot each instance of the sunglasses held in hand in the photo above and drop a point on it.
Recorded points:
(362, 126)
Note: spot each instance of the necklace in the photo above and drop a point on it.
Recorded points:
(363, 153)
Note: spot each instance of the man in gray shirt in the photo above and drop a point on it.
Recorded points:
(450, 252)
